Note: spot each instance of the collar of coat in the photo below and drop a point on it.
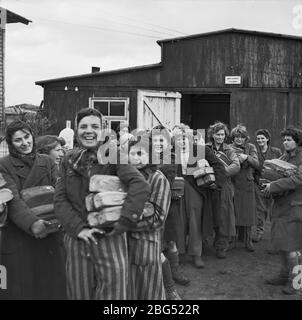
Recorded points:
(223, 146)
(40, 161)
(293, 153)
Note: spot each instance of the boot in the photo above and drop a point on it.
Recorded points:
(198, 262)
(240, 233)
(177, 273)
(278, 280)
(289, 288)
(231, 244)
(220, 245)
(248, 239)
(171, 292)
(282, 278)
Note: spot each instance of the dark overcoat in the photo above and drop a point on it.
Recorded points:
(35, 267)
(286, 229)
(244, 200)
(204, 192)
(223, 199)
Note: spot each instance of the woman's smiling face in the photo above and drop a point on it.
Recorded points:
(22, 141)
(89, 129)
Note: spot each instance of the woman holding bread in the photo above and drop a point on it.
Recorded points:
(223, 200)
(97, 263)
(31, 255)
(286, 230)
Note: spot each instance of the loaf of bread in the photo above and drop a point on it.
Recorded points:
(5, 195)
(276, 169)
(203, 171)
(38, 196)
(40, 200)
(105, 183)
(89, 202)
(2, 181)
(108, 199)
(104, 217)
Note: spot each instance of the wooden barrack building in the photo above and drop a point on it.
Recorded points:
(235, 76)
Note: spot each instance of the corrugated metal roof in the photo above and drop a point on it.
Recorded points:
(96, 74)
(231, 30)
(138, 68)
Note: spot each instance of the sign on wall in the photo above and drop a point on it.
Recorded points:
(232, 80)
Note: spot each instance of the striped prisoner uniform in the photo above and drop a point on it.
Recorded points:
(145, 272)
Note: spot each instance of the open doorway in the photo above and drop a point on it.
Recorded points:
(199, 111)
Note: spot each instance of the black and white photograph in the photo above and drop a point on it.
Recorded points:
(151, 151)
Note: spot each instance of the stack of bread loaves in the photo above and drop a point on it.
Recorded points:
(276, 169)
(105, 200)
(204, 175)
(40, 200)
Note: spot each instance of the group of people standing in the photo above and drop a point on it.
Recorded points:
(138, 258)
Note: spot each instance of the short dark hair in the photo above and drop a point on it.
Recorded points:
(14, 127)
(45, 144)
(265, 133)
(294, 132)
(87, 112)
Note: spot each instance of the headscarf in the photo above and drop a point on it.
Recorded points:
(13, 127)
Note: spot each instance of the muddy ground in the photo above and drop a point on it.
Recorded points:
(241, 276)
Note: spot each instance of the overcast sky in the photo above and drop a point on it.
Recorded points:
(67, 37)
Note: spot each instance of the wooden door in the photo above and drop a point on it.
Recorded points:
(157, 107)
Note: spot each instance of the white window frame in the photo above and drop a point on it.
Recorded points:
(109, 118)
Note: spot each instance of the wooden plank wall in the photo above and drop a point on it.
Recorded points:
(2, 100)
(262, 61)
(62, 105)
(268, 109)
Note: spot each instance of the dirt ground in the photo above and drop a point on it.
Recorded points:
(241, 276)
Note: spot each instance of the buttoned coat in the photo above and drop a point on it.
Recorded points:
(35, 267)
(244, 200)
(223, 200)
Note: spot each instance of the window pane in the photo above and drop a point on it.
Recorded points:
(101, 106)
(117, 108)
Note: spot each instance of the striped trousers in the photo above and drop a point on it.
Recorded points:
(97, 272)
(145, 269)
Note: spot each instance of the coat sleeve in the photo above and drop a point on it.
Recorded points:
(137, 194)
(220, 173)
(18, 211)
(68, 217)
(289, 183)
(252, 157)
(285, 184)
(160, 199)
(234, 167)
